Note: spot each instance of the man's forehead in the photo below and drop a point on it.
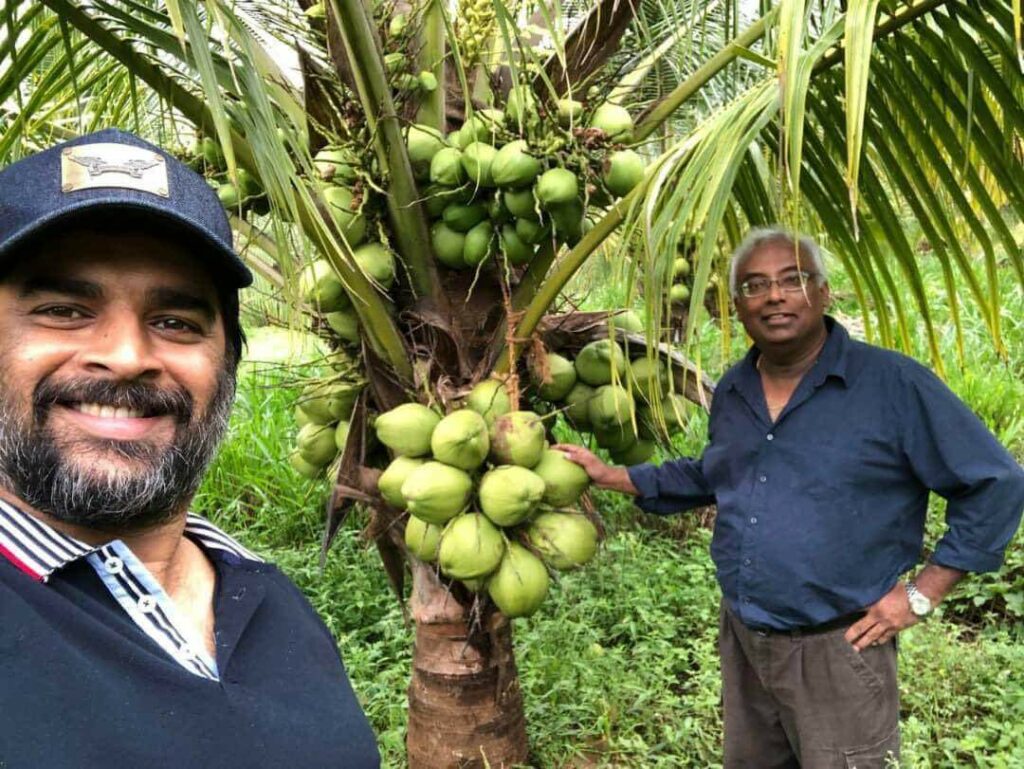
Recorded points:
(775, 257)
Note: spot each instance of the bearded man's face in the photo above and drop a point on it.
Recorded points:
(114, 384)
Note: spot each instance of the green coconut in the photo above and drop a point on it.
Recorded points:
(211, 151)
(316, 444)
(389, 484)
(595, 362)
(479, 244)
(623, 170)
(578, 405)
(341, 434)
(327, 402)
(482, 127)
(301, 417)
(521, 107)
(556, 186)
(377, 261)
(674, 411)
(436, 492)
(509, 494)
(647, 375)
(520, 584)
(638, 452)
(555, 378)
(475, 585)
(680, 267)
(531, 232)
(628, 321)
(521, 203)
(343, 396)
(229, 195)
(514, 166)
(611, 406)
(569, 112)
(497, 212)
(320, 287)
(568, 222)
(437, 197)
(478, 162)
(516, 251)
(564, 480)
(337, 164)
(615, 437)
(679, 293)
(517, 438)
(344, 323)
(342, 204)
(423, 142)
(614, 120)
(489, 399)
(461, 440)
(302, 467)
(406, 429)
(448, 245)
(471, 547)
(463, 217)
(564, 540)
(422, 538)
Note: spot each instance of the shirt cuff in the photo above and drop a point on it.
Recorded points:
(643, 478)
(962, 557)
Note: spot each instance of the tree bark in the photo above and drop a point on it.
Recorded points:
(465, 703)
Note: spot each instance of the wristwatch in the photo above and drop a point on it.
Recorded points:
(920, 604)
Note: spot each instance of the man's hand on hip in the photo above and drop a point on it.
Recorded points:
(884, 619)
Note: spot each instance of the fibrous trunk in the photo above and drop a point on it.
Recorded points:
(465, 704)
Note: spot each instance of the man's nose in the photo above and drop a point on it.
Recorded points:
(775, 292)
(123, 347)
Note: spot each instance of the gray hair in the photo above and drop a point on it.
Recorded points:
(762, 236)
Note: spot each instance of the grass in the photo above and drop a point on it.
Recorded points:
(620, 665)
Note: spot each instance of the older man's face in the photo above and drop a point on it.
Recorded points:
(114, 389)
(780, 318)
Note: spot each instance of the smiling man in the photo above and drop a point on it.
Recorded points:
(131, 630)
(822, 452)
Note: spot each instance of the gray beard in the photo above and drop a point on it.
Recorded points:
(35, 469)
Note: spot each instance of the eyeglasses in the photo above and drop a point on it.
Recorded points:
(794, 281)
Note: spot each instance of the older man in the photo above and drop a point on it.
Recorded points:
(822, 451)
(131, 631)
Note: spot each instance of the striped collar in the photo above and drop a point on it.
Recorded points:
(39, 550)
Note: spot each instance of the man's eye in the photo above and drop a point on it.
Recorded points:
(791, 281)
(757, 285)
(176, 324)
(63, 312)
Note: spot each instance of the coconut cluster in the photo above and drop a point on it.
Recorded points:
(237, 194)
(488, 500)
(322, 414)
(496, 186)
(682, 276)
(599, 393)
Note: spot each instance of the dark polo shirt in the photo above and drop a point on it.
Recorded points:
(97, 671)
(821, 510)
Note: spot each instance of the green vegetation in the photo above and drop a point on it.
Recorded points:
(640, 686)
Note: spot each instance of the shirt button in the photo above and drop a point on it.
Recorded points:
(186, 651)
(762, 478)
(146, 604)
(770, 436)
(746, 600)
(746, 562)
(113, 565)
(753, 520)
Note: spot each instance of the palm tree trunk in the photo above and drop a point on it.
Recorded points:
(465, 703)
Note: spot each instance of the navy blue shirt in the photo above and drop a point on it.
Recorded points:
(822, 510)
(96, 670)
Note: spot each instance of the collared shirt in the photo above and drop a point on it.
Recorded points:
(822, 510)
(96, 668)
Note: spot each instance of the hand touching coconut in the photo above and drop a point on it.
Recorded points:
(605, 476)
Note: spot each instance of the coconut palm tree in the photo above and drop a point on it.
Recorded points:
(840, 118)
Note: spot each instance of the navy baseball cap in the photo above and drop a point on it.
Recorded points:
(113, 170)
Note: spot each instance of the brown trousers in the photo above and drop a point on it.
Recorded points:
(810, 701)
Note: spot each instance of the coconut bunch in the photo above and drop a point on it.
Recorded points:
(507, 181)
(322, 414)
(236, 194)
(600, 394)
(682, 276)
(488, 501)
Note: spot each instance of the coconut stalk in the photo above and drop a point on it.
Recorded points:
(431, 111)
(408, 220)
(465, 702)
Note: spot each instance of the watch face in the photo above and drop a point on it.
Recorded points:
(920, 605)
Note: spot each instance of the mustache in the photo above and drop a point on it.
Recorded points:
(135, 395)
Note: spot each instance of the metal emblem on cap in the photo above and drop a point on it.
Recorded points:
(117, 166)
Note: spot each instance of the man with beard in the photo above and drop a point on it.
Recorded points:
(131, 631)
(821, 454)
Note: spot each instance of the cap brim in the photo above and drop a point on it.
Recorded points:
(230, 266)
